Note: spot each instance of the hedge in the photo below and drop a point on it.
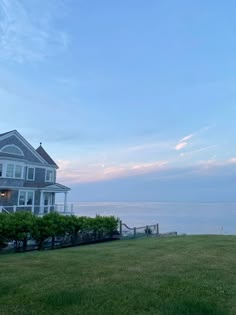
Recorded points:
(21, 226)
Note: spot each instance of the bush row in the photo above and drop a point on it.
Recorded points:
(22, 226)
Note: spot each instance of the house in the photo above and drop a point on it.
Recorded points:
(27, 176)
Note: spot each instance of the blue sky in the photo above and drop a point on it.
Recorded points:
(125, 95)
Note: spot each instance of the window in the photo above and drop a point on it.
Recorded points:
(22, 198)
(26, 198)
(10, 170)
(18, 171)
(12, 149)
(49, 176)
(0, 170)
(29, 199)
(14, 171)
(30, 173)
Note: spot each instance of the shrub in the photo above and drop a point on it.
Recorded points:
(20, 226)
(4, 230)
(50, 225)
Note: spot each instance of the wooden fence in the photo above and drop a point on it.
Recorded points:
(135, 232)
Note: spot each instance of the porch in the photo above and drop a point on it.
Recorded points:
(39, 201)
(60, 208)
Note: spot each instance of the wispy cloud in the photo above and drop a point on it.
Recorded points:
(186, 138)
(122, 161)
(190, 153)
(27, 31)
(157, 146)
(182, 143)
(196, 133)
(75, 172)
(180, 146)
(232, 160)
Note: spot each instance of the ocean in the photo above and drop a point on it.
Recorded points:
(189, 218)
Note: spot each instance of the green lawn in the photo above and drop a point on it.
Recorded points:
(177, 275)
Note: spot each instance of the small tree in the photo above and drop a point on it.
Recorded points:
(73, 226)
(50, 225)
(19, 226)
(4, 230)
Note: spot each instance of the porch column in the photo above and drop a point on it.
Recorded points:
(65, 202)
(41, 202)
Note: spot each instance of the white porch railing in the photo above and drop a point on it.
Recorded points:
(2, 209)
(69, 209)
(41, 210)
(8, 209)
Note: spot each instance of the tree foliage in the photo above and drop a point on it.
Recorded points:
(21, 226)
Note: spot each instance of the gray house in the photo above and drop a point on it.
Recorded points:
(27, 176)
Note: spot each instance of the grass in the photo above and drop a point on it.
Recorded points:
(186, 275)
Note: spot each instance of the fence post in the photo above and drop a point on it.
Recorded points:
(24, 244)
(14, 208)
(157, 229)
(53, 242)
(120, 228)
(134, 232)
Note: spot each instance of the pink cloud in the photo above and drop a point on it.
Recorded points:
(152, 165)
(232, 160)
(77, 173)
(180, 146)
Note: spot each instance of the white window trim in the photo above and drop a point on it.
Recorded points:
(49, 181)
(4, 169)
(7, 168)
(21, 173)
(27, 178)
(15, 146)
(25, 191)
(14, 168)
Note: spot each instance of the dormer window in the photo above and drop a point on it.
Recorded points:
(12, 149)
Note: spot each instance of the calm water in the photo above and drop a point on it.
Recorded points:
(190, 218)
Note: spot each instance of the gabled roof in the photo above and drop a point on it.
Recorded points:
(45, 156)
(24, 141)
(40, 153)
(5, 133)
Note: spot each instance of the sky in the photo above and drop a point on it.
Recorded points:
(134, 99)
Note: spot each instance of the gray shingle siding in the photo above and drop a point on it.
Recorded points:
(11, 182)
(28, 155)
(40, 175)
(10, 200)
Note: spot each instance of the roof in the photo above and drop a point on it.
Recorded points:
(56, 188)
(5, 133)
(45, 187)
(45, 156)
(40, 153)
(24, 142)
